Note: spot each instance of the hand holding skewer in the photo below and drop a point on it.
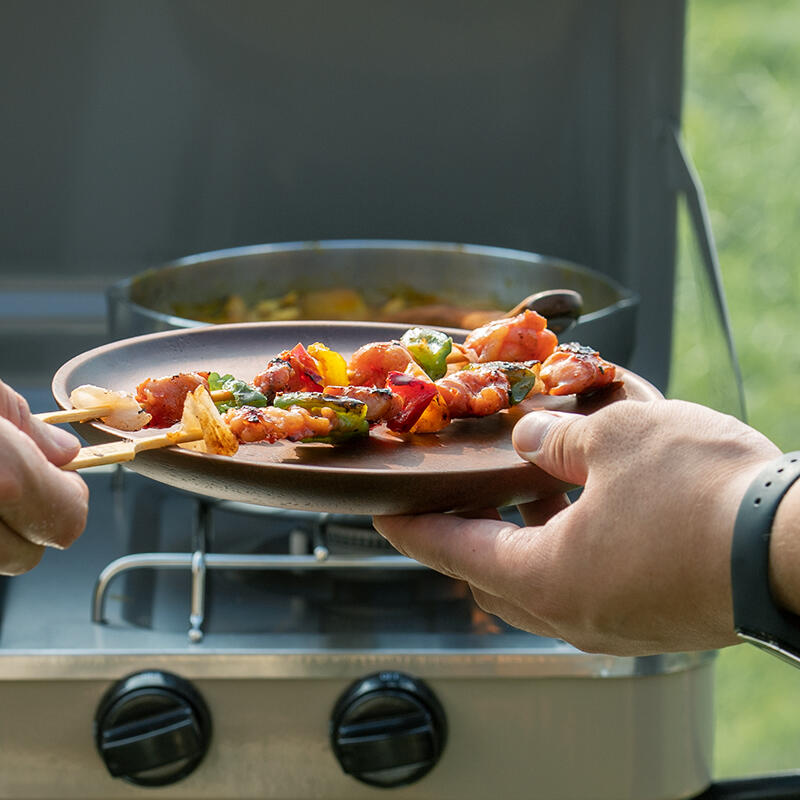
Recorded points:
(40, 506)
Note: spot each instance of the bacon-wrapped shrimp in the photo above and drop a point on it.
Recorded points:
(475, 392)
(371, 364)
(292, 371)
(163, 398)
(521, 338)
(300, 416)
(575, 369)
(276, 377)
(272, 424)
(302, 370)
(382, 404)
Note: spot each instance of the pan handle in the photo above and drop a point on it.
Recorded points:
(781, 786)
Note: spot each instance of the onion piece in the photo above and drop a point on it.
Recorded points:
(200, 414)
(127, 414)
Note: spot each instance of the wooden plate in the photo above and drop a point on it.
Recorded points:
(469, 465)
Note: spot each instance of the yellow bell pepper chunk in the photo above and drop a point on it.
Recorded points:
(435, 417)
(332, 366)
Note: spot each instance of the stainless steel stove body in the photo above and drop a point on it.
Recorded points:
(281, 647)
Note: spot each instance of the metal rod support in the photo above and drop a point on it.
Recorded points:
(235, 561)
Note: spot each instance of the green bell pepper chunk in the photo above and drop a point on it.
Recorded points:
(520, 377)
(243, 393)
(430, 349)
(351, 414)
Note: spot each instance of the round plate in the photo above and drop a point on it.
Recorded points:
(471, 464)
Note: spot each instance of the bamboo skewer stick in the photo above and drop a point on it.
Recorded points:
(126, 449)
(86, 414)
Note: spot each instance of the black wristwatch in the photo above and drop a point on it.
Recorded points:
(756, 616)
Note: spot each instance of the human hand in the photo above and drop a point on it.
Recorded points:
(640, 563)
(40, 505)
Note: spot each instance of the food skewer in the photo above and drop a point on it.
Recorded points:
(95, 412)
(126, 449)
(200, 421)
(409, 385)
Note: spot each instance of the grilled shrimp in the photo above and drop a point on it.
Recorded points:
(382, 404)
(272, 424)
(476, 392)
(278, 376)
(575, 369)
(163, 398)
(371, 364)
(521, 338)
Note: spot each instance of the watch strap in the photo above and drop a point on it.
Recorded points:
(757, 618)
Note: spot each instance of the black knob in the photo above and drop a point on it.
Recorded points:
(388, 729)
(152, 728)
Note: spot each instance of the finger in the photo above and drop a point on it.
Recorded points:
(556, 442)
(489, 554)
(58, 445)
(484, 513)
(512, 614)
(540, 511)
(37, 500)
(17, 555)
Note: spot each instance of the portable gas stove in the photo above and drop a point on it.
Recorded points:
(231, 651)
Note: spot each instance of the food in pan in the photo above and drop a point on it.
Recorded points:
(417, 384)
(336, 303)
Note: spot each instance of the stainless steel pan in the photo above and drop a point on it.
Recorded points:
(483, 277)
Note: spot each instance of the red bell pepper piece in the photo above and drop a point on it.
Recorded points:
(416, 393)
(304, 367)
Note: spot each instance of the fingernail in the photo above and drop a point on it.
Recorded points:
(531, 430)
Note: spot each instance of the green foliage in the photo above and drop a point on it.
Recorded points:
(742, 126)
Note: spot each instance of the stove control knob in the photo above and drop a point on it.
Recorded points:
(152, 728)
(388, 729)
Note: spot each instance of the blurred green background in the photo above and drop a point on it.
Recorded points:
(742, 127)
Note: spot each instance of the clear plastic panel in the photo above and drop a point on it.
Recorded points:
(703, 367)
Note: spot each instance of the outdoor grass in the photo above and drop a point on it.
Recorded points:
(742, 126)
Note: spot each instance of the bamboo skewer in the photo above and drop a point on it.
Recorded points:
(126, 449)
(86, 414)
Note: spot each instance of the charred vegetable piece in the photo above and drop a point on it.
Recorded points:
(430, 349)
(331, 365)
(350, 414)
(417, 395)
(522, 377)
(243, 393)
(435, 417)
(305, 368)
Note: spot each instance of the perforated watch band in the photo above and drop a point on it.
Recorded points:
(756, 616)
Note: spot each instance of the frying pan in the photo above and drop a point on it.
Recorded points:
(483, 277)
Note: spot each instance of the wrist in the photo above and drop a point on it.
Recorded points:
(759, 616)
(784, 555)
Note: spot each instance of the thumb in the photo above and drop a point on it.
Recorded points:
(58, 445)
(554, 441)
